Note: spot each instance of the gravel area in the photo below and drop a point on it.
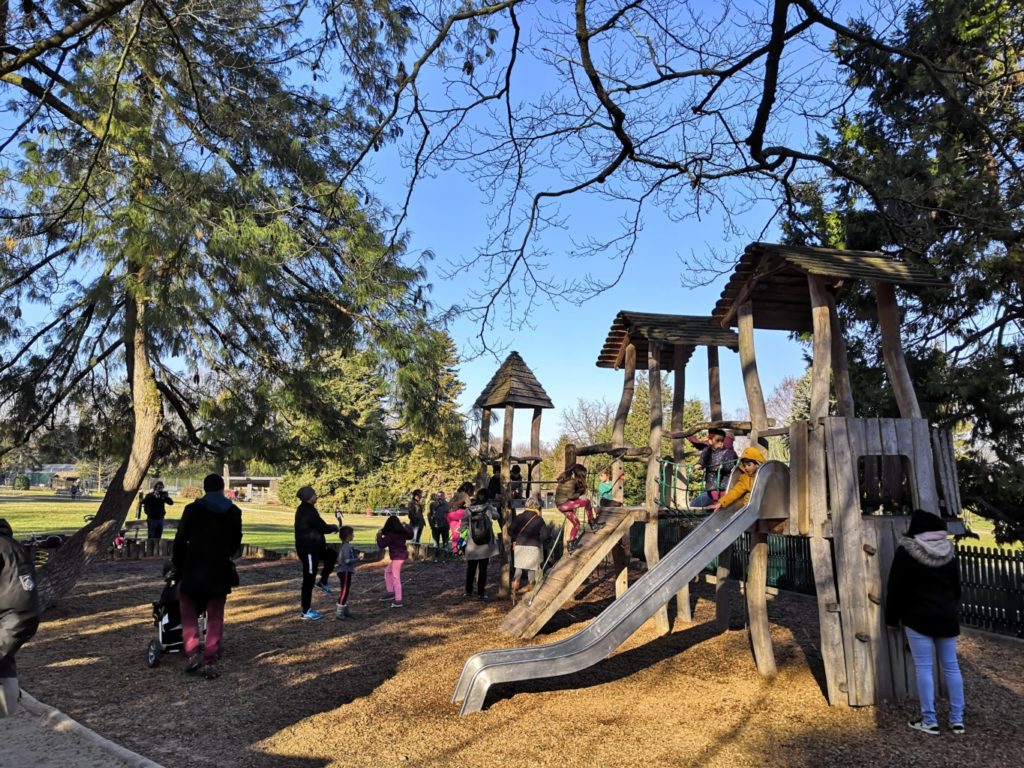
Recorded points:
(376, 690)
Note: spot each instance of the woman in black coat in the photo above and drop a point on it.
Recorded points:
(924, 596)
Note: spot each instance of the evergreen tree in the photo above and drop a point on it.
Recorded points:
(175, 229)
(930, 166)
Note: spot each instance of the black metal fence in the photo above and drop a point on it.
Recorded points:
(992, 579)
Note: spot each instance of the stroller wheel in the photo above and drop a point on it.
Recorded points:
(153, 653)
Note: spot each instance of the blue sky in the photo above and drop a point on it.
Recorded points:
(561, 343)
(448, 216)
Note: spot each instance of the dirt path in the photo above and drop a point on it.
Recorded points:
(376, 690)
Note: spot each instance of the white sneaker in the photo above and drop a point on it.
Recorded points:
(931, 730)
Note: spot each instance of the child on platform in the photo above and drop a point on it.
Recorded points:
(569, 491)
(750, 461)
(347, 560)
(606, 489)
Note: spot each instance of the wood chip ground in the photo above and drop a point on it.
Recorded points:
(375, 690)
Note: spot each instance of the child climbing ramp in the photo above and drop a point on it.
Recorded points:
(571, 485)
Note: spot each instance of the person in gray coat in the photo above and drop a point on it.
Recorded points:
(19, 613)
(481, 543)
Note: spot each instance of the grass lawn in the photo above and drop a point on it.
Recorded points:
(263, 525)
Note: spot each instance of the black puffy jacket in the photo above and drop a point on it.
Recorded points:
(923, 589)
(310, 529)
(19, 602)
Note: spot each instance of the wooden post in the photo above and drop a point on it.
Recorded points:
(821, 362)
(657, 417)
(485, 439)
(748, 361)
(892, 351)
(714, 386)
(757, 568)
(506, 507)
(840, 365)
(570, 455)
(683, 610)
(829, 619)
(622, 413)
(620, 555)
(534, 449)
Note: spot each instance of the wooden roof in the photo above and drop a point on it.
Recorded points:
(774, 279)
(637, 327)
(513, 384)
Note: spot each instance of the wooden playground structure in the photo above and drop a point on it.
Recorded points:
(849, 486)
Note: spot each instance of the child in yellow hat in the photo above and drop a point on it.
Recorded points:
(750, 461)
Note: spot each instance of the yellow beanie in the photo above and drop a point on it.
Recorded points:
(754, 454)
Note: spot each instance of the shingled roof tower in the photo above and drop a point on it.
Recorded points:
(512, 386)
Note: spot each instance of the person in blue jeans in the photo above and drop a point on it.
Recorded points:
(923, 596)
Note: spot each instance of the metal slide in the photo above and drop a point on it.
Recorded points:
(627, 614)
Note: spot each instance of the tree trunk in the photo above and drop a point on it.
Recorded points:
(62, 571)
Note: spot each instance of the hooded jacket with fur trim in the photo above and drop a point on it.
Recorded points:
(923, 590)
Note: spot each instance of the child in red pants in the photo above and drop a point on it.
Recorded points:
(569, 491)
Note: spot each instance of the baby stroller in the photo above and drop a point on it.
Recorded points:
(167, 618)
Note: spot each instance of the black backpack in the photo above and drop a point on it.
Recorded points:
(480, 528)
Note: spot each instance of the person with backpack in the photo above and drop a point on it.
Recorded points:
(19, 613)
(481, 543)
(209, 534)
(457, 513)
(438, 519)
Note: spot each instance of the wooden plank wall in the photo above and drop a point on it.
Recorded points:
(876, 665)
(843, 441)
(945, 471)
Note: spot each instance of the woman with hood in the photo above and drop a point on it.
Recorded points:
(923, 595)
(311, 548)
(209, 534)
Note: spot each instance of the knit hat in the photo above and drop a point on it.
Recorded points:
(716, 431)
(923, 522)
(531, 503)
(306, 493)
(753, 454)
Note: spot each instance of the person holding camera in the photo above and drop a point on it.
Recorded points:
(155, 504)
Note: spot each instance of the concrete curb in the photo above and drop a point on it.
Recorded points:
(58, 721)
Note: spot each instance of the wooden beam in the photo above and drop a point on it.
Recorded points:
(570, 455)
(535, 431)
(757, 570)
(485, 440)
(757, 605)
(683, 610)
(714, 385)
(892, 351)
(622, 412)
(840, 365)
(751, 380)
(657, 417)
(821, 364)
(506, 506)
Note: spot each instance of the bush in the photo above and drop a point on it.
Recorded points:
(191, 492)
(21, 482)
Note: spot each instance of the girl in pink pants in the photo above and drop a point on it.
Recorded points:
(392, 537)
